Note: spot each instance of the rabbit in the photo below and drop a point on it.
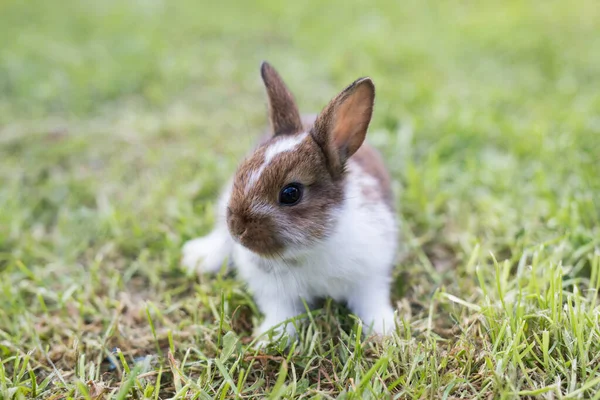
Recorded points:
(309, 214)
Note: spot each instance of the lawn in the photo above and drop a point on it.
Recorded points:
(120, 121)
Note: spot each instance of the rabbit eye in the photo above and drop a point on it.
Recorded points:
(291, 194)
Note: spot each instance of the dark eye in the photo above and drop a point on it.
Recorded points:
(291, 194)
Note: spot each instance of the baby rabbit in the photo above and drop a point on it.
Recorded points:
(309, 214)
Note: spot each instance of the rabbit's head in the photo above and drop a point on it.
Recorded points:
(287, 195)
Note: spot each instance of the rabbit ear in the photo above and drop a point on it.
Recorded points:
(342, 126)
(283, 112)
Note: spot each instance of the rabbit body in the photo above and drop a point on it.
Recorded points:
(309, 214)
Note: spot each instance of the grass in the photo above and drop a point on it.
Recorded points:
(119, 121)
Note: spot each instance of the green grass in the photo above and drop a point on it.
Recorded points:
(119, 122)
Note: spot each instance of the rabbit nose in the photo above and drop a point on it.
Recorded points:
(241, 230)
(237, 225)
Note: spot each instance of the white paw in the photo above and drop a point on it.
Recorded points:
(205, 254)
(382, 324)
(268, 333)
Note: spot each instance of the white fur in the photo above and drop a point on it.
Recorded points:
(283, 145)
(353, 265)
(207, 253)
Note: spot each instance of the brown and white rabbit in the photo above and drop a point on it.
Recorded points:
(309, 214)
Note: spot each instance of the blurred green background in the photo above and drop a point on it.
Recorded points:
(119, 122)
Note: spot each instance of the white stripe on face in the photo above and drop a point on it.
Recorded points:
(283, 145)
(263, 209)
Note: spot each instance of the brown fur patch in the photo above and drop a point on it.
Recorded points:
(371, 162)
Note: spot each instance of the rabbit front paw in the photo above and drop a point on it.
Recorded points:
(205, 254)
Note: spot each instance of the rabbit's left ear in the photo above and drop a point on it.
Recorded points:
(342, 126)
(283, 111)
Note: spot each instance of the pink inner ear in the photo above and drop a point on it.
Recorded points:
(351, 119)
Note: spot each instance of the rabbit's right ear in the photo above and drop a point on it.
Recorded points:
(283, 111)
(342, 126)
